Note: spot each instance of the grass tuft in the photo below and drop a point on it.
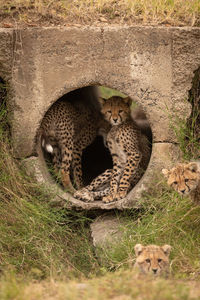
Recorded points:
(165, 218)
(187, 130)
(36, 239)
(167, 12)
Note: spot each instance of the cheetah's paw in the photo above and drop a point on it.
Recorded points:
(120, 195)
(84, 195)
(108, 199)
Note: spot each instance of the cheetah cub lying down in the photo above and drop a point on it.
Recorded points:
(152, 259)
(130, 154)
(185, 179)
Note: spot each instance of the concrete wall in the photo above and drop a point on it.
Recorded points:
(153, 65)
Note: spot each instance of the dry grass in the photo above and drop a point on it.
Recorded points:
(63, 12)
(123, 285)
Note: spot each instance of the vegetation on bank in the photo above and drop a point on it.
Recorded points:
(65, 12)
(46, 251)
(188, 131)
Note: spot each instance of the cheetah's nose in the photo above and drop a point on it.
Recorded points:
(183, 191)
(154, 271)
(115, 120)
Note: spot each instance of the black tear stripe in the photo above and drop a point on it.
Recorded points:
(187, 186)
(149, 266)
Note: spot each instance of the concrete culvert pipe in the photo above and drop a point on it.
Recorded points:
(153, 66)
(95, 156)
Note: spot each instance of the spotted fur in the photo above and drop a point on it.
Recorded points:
(185, 179)
(65, 131)
(152, 259)
(130, 154)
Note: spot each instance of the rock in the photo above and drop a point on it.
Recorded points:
(105, 230)
(33, 168)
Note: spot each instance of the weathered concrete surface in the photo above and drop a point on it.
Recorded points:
(6, 53)
(154, 66)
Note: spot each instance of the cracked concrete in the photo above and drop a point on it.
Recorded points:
(153, 65)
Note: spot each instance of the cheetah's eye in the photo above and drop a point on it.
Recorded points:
(148, 260)
(109, 111)
(159, 260)
(120, 111)
(175, 182)
(186, 179)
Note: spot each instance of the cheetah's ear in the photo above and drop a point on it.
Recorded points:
(165, 172)
(166, 249)
(193, 166)
(138, 249)
(127, 100)
(102, 101)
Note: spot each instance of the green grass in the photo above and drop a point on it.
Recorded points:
(187, 129)
(36, 239)
(41, 241)
(106, 92)
(165, 218)
(188, 142)
(46, 251)
(167, 12)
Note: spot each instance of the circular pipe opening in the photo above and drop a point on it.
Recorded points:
(96, 158)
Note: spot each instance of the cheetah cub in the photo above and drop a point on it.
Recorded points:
(152, 259)
(130, 154)
(65, 131)
(185, 179)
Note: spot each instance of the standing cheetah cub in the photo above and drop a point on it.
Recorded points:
(129, 149)
(152, 259)
(185, 179)
(67, 128)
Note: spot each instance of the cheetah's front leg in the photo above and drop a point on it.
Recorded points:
(114, 180)
(66, 155)
(131, 168)
(66, 181)
(77, 168)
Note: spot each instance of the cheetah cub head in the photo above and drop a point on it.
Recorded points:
(152, 259)
(183, 178)
(116, 109)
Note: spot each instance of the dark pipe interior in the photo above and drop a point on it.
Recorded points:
(95, 160)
